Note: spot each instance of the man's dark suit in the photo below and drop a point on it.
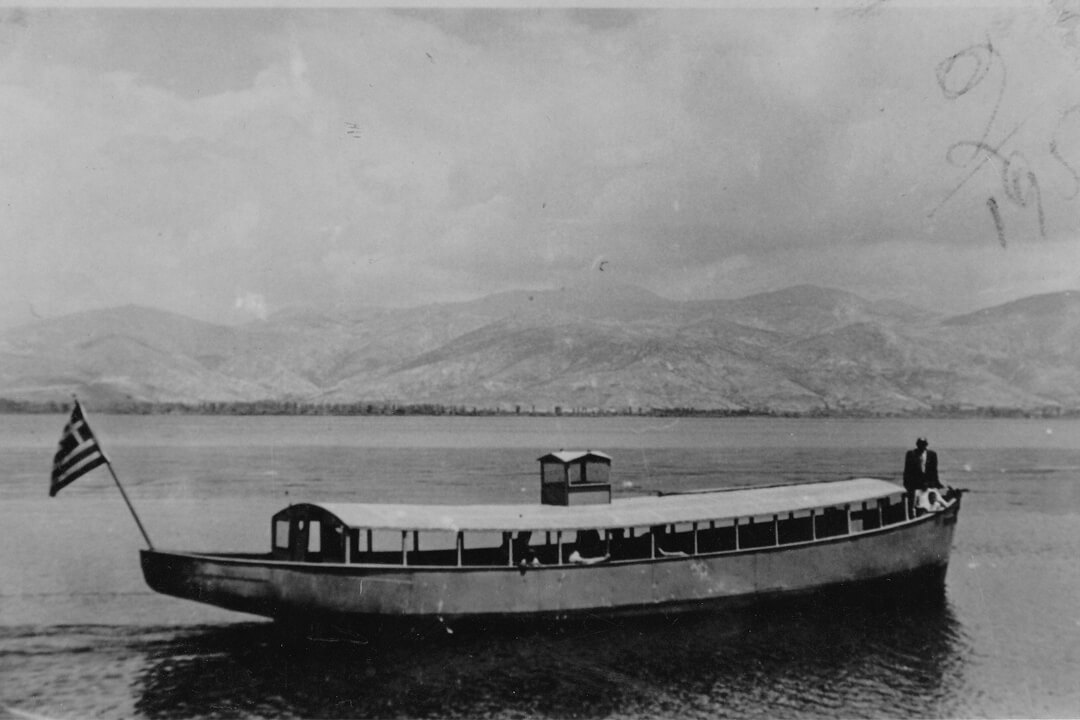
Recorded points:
(915, 478)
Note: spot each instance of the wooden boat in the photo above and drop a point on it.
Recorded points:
(577, 552)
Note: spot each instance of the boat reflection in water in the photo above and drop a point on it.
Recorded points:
(805, 657)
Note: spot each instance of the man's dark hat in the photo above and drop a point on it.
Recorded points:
(921, 443)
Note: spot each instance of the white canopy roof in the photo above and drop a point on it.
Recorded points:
(621, 513)
(568, 456)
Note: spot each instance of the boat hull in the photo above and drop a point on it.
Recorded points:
(915, 551)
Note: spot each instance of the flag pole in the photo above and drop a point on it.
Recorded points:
(130, 506)
(108, 464)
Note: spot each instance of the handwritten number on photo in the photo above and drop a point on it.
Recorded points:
(1072, 115)
(991, 203)
(960, 74)
(963, 72)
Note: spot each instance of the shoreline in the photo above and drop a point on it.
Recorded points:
(286, 408)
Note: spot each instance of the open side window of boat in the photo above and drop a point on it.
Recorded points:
(716, 536)
(797, 526)
(871, 515)
(483, 548)
(809, 525)
(674, 539)
(758, 531)
(633, 543)
(281, 537)
(831, 522)
(432, 548)
(865, 516)
(378, 546)
(893, 509)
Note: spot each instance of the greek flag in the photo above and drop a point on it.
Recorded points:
(78, 454)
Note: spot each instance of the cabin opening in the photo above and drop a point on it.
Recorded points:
(306, 533)
(575, 478)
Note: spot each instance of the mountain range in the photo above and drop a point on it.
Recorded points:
(802, 350)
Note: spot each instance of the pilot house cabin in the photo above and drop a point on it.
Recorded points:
(575, 478)
(577, 521)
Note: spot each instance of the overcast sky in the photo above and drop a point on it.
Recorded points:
(228, 163)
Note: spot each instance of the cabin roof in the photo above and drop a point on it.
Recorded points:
(624, 512)
(569, 456)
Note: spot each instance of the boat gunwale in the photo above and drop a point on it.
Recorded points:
(952, 509)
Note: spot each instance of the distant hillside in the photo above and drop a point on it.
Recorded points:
(801, 350)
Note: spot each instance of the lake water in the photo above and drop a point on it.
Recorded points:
(82, 636)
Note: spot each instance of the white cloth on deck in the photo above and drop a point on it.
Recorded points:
(930, 499)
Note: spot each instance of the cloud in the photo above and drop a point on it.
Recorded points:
(253, 304)
(362, 156)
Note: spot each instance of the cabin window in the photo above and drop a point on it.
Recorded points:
(831, 522)
(866, 517)
(757, 532)
(795, 527)
(352, 538)
(385, 541)
(892, 512)
(314, 536)
(483, 548)
(674, 539)
(584, 545)
(433, 548)
(598, 472)
(716, 537)
(535, 548)
(552, 472)
(281, 534)
(630, 543)
(574, 473)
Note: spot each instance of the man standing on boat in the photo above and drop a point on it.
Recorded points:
(920, 468)
(921, 473)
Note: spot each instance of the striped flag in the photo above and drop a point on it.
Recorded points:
(78, 454)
